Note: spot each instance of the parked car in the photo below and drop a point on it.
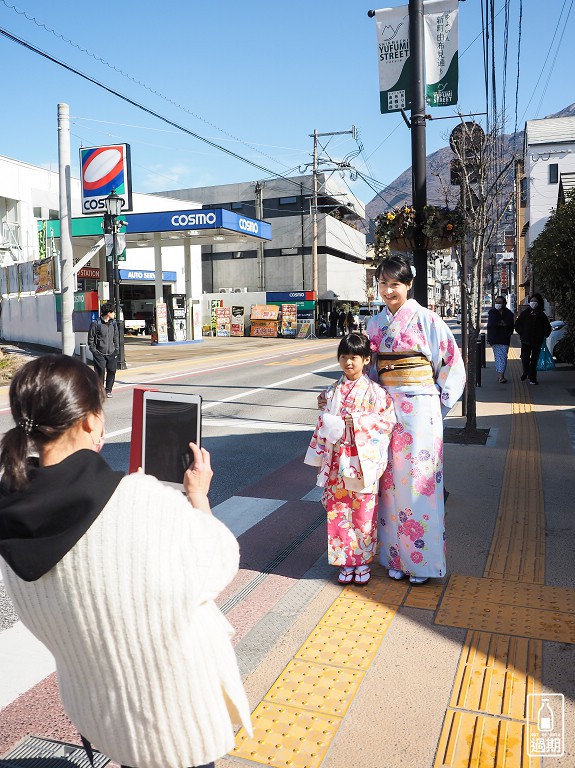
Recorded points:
(558, 330)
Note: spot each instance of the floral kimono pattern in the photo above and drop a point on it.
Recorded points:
(411, 507)
(350, 467)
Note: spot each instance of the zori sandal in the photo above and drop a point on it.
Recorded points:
(362, 575)
(395, 574)
(418, 579)
(346, 575)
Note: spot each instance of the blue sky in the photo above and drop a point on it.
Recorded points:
(255, 73)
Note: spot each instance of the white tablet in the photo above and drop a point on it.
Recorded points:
(171, 420)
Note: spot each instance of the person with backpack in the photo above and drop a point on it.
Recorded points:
(104, 344)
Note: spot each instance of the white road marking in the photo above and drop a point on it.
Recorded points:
(273, 426)
(240, 513)
(231, 399)
(25, 662)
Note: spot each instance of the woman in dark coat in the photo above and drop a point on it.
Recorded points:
(533, 327)
(499, 332)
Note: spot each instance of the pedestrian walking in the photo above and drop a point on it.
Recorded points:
(333, 322)
(341, 322)
(117, 577)
(104, 344)
(533, 327)
(350, 445)
(350, 321)
(420, 366)
(500, 322)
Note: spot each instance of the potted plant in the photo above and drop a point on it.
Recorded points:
(395, 229)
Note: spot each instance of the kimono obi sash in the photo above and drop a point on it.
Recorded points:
(402, 369)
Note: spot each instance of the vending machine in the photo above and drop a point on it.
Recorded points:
(177, 317)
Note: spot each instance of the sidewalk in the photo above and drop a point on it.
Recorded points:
(393, 676)
(439, 676)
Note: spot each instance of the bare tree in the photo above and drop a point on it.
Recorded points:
(482, 167)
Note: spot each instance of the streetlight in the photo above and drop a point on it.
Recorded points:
(113, 205)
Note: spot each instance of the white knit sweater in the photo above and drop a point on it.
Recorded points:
(146, 668)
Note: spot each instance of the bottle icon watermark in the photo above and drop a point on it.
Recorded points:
(545, 724)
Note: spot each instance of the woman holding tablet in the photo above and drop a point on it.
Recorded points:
(117, 576)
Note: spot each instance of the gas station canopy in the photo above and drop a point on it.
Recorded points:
(202, 226)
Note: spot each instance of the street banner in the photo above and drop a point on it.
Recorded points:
(43, 275)
(223, 321)
(162, 321)
(440, 49)
(214, 304)
(393, 55)
(441, 59)
(289, 320)
(238, 321)
(267, 328)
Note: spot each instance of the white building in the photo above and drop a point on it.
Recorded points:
(285, 263)
(158, 264)
(549, 154)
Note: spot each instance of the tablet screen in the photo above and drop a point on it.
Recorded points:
(171, 421)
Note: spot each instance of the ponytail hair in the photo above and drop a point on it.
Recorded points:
(48, 396)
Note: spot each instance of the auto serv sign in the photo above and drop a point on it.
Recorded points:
(104, 169)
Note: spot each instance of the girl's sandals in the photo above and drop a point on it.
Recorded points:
(395, 574)
(362, 575)
(418, 579)
(346, 575)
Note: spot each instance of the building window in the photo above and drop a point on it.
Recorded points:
(237, 206)
(554, 173)
(523, 192)
(53, 214)
(37, 213)
(287, 200)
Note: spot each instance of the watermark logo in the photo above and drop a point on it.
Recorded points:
(545, 724)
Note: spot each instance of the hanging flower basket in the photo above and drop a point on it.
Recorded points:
(395, 229)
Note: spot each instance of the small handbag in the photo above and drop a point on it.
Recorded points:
(545, 362)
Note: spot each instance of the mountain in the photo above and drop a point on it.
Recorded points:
(438, 168)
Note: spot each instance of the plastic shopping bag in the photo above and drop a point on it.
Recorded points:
(545, 362)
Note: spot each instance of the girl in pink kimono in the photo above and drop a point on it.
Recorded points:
(350, 445)
(420, 366)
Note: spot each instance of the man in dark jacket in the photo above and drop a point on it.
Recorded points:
(104, 344)
(499, 331)
(533, 327)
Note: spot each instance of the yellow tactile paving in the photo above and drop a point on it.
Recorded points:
(317, 687)
(496, 673)
(329, 645)
(324, 676)
(379, 589)
(359, 616)
(285, 736)
(471, 740)
(485, 725)
(425, 596)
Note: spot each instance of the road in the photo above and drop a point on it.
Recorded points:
(259, 401)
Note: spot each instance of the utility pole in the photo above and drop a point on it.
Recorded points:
(66, 250)
(418, 145)
(315, 135)
(314, 286)
(259, 205)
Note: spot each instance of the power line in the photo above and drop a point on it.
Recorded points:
(135, 80)
(147, 110)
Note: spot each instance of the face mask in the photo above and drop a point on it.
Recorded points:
(499, 306)
(533, 304)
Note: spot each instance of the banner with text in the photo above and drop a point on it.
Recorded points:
(441, 60)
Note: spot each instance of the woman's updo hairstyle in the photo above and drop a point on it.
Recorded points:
(47, 396)
(395, 268)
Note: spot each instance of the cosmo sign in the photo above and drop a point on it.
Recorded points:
(102, 170)
(216, 218)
